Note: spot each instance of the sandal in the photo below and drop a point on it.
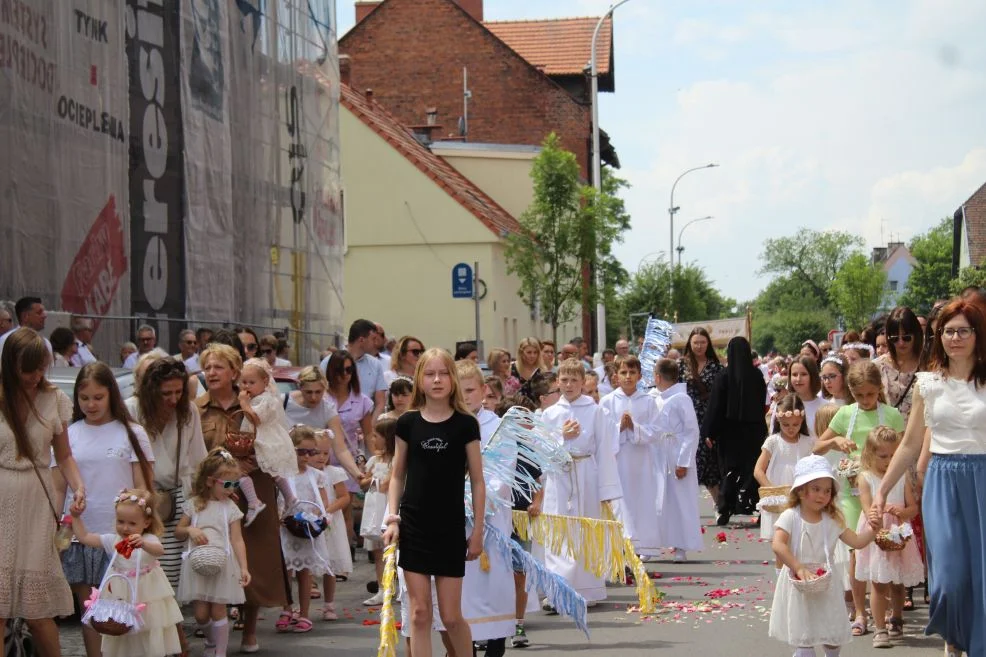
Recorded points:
(329, 612)
(881, 639)
(859, 626)
(301, 625)
(315, 594)
(895, 627)
(284, 621)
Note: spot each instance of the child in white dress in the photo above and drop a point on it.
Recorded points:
(804, 542)
(133, 550)
(336, 537)
(376, 481)
(211, 519)
(788, 443)
(306, 557)
(263, 413)
(887, 572)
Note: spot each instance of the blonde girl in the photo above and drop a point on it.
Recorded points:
(436, 441)
(528, 361)
(887, 572)
(133, 549)
(336, 536)
(847, 434)
(263, 413)
(835, 387)
(805, 536)
(382, 445)
(306, 557)
(788, 443)
(210, 517)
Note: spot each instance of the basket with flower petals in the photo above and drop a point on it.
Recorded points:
(773, 499)
(817, 584)
(894, 539)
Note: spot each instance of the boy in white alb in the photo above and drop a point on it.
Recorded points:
(679, 521)
(591, 478)
(487, 596)
(642, 472)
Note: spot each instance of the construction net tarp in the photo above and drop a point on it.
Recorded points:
(174, 160)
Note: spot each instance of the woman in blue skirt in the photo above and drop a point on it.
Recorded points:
(950, 400)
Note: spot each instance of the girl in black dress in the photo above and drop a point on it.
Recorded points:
(437, 441)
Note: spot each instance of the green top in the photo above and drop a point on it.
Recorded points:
(865, 422)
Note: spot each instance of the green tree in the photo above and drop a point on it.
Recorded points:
(968, 277)
(857, 290)
(562, 231)
(785, 330)
(811, 257)
(787, 293)
(931, 277)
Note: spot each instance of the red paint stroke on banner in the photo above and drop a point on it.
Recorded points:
(100, 263)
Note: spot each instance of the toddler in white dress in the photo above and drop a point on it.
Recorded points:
(805, 536)
(788, 443)
(336, 538)
(275, 455)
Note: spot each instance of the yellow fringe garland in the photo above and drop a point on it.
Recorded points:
(388, 628)
(484, 561)
(597, 545)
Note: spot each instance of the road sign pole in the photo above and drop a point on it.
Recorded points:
(475, 296)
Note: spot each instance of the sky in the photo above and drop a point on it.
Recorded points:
(867, 116)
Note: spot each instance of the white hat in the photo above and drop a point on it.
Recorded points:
(811, 468)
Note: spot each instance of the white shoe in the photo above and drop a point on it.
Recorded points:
(546, 606)
(252, 513)
(647, 559)
(374, 601)
(680, 556)
(591, 603)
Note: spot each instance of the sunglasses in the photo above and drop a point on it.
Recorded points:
(305, 451)
(416, 352)
(907, 339)
(250, 346)
(348, 370)
(235, 483)
(264, 352)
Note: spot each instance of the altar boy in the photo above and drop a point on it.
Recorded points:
(590, 479)
(680, 525)
(634, 414)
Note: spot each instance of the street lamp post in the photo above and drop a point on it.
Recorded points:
(672, 209)
(597, 180)
(680, 248)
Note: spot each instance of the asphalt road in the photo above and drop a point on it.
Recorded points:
(694, 619)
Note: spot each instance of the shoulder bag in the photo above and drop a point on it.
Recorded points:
(167, 500)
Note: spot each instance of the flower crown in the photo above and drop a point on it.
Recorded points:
(403, 377)
(835, 359)
(124, 496)
(795, 413)
(860, 345)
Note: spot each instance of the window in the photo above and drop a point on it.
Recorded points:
(893, 286)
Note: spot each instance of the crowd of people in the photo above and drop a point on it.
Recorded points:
(194, 487)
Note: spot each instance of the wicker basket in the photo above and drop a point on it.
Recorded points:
(303, 528)
(239, 443)
(773, 491)
(885, 543)
(113, 610)
(207, 560)
(813, 586)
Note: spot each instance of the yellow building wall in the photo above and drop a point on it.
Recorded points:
(404, 235)
(504, 176)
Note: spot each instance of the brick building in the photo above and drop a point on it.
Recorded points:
(969, 236)
(525, 78)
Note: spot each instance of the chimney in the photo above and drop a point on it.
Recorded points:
(472, 7)
(432, 114)
(369, 95)
(364, 7)
(345, 70)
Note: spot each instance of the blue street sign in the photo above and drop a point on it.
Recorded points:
(462, 281)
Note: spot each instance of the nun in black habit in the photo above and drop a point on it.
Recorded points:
(735, 423)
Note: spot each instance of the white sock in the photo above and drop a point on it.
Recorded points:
(249, 492)
(220, 636)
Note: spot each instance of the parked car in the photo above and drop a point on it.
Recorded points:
(64, 378)
(286, 378)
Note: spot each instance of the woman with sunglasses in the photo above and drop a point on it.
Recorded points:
(404, 358)
(356, 414)
(950, 401)
(905, 341)
(250, 341)
(219, 409)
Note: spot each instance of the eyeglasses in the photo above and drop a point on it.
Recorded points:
(149, 338)
(961, 332)
(250, 346)
(907, 339)
(235, 483)
(556, 391)
(416, 352)
(305, 451)
(829, 377)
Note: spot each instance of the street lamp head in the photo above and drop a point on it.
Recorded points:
(711, 165)
(675, 208)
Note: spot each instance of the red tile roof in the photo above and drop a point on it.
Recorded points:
(441, 172)
(560, 46)
(974, 215)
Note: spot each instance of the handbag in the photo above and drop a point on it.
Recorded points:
(167, 500)
(208, 560)
(374, 510)
(114, 617)
(239, 443)
(51, 505)
(17, 640)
